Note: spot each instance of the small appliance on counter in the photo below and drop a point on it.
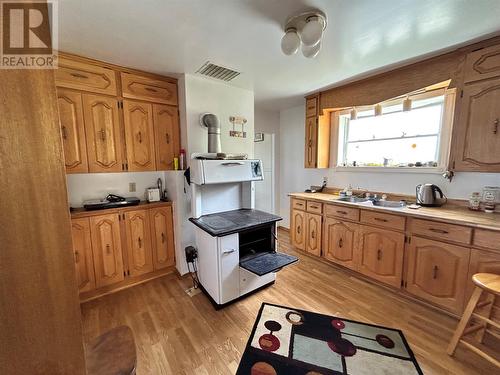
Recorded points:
(153, 195)
(427, 195)
(111, 201)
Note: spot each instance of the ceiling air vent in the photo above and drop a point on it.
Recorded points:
(218, 72)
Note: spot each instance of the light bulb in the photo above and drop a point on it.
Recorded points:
(311, 51)
(290, 42)
(311, 32)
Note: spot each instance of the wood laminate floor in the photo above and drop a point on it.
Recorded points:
(177, 334)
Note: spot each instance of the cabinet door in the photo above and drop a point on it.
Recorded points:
(102, 129)
(478, 130)
(380, 254)
(483, 64)
(437, 272)
(311, 142)
(482, 261)
(106, 249)
(229, 266)
(82, 248)
(298, 229)
(140, 254)
(313, 238)
(72, 130)
(162, 234)
(340, 242)
(138, 120)
(167, 139)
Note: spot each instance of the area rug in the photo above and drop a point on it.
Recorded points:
(290, 341)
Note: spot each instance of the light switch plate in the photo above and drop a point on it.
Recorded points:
(131, 187)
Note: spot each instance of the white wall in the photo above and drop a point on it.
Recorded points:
(295, 178)
(97, 185)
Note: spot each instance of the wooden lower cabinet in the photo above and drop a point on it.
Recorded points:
(313, 236)
(482, 261)
(106, 249)
(298, 225)
(380, 255)
(437, 272)
(139, 250)
(340, 242)
(162, 234)
(82, 249)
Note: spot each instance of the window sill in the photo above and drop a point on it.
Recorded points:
(429, 170)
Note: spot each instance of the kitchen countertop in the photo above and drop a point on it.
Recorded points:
(447, 213)
(229, 222)
(82, 212)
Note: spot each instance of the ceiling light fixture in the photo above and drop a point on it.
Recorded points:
(304, 30)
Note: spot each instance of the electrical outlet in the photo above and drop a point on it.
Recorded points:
(131, 187)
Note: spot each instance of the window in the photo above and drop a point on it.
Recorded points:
(417, 137)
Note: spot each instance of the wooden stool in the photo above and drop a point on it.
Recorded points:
(112, 353)
(485, 282)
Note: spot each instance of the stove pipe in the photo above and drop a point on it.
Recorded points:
(212, 123)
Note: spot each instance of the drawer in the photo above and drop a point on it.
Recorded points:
(311, 107)
(441, 231)
(314, 207)
(384, 220)
(150, 89)
(342, 212)
(298, 204)
(487, 238)
(87, 77)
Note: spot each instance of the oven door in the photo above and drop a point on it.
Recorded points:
(267, 262)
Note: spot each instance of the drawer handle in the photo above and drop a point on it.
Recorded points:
(341, 243)
(440, 231)
(299, 204)
(316, 207)
(78, 75)
(228, 251)
(380, 219)
(232, 163)
(435, 272)
(342, 212)
(150, 89)
(379, 254)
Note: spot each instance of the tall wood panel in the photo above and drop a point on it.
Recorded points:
(167, 138)
(162, 234)
(140, 255)
(40, 320)
(82, 250)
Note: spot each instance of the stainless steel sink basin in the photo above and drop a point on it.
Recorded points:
(389, 203)
(352, 199)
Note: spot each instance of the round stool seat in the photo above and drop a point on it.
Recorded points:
(487, 281)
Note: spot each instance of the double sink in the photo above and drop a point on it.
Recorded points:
(375, 202)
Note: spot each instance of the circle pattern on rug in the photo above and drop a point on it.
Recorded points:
(385, 341)
(272, 325)
(338, 324)
(262, 368)
(295, 318)
(269, 343)
(343, 347)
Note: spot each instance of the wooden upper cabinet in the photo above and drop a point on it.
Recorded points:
(139, 136)
(167, 138)
(437, 272)
(380, 255)
(478, 130)
(162, 234)
(145, 88)
(72, 130)
(311, 142)
(298, 227)
(140, 255)
(106, 249)
(82, 249)
(312, 106)
(102, 130)
(483, 64)
(340, 242)
(313, 236)
(79, 75)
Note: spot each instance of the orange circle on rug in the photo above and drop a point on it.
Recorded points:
(262, 368)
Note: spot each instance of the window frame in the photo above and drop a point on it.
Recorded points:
(444, 137)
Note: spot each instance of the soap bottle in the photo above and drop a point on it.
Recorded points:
(349, 190)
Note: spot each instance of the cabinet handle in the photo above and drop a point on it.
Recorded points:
(64, 133)
(228, 251)
(379, 254)
(298, 229)
(150, 89)
(314, 206)
(167, 136)
(380, 219)
(108, 249)
(103, 134)
(139, 241)
(140, 137)
(163, 238)
(441, 231)
(435, 272)
(78, 75)
(342, 212)
(77, 256)
(495, 127)
(312, 234)
(341, 243)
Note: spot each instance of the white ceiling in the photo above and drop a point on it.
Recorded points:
(178, 36)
